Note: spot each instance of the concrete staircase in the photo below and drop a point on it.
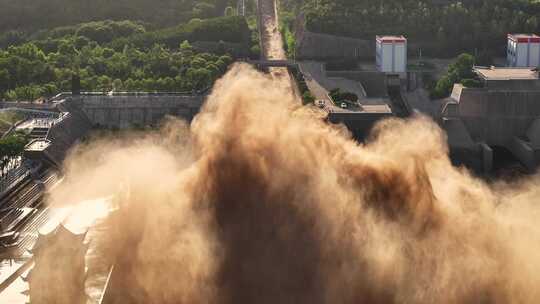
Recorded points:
(38, 132)
(51, 142)
(64, 134)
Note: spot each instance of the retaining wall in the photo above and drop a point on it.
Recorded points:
(513, 84)
(64, 134)
(360, 124)
(311, 45)
(126, 111)
(374, 83)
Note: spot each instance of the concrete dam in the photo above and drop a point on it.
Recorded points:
(77, 114)
(123, 110)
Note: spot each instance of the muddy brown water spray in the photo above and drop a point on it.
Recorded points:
(260, 201)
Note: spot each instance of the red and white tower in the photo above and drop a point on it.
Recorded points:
(392, 54)
(523, 50)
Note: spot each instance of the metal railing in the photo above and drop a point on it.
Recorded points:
(15, 176)
(65, 95)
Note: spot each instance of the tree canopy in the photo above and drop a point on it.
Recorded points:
(119, 55)
(441, 28)
(31, 15)
(458, 72)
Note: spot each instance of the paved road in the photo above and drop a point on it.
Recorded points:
(319, 85)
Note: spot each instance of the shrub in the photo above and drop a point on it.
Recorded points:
(307, 98)
(471, 83)
(340, 96)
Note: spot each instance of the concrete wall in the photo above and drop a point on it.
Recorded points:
(374, 83)
(321, 46)
(533, 133)
(497, 116)
(87, 111)
(64, 134)
(27, 105)
(311, 45)
(524, 152)
(473, 159)
(514, 84)
(360, 124)
(126, 111)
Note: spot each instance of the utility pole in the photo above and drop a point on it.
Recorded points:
(241, 8)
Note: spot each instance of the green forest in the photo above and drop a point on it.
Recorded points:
(156, 46)
(120, 55)
(440, 28)
(31, 15)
